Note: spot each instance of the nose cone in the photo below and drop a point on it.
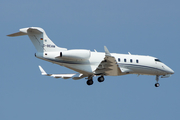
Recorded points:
(169, 70)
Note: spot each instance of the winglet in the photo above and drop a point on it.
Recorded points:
(64, 76)
(107, 51)
(42, 71)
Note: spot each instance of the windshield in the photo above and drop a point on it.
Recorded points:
(157, 60)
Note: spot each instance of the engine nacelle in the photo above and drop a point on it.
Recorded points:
(76, 54)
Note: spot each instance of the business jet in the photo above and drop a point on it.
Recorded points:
(88, 63)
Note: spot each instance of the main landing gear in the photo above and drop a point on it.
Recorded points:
(157, 79)
(101, 79)
(90, 80)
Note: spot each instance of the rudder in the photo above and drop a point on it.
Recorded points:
(39, 39)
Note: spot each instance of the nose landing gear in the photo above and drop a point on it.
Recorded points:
(157, 85)
(157, 79)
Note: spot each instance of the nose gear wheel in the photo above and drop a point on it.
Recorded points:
(157, 79)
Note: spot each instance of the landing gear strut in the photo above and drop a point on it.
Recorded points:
(157, 79)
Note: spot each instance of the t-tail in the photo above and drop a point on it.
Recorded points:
(39, 39)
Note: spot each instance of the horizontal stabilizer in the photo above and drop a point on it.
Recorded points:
(34, 30)
(39, 39)
(17, 34)
(24, 31)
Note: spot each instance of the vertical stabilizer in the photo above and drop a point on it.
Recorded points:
(39, 39)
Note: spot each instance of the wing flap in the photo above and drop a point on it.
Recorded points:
(64, 76)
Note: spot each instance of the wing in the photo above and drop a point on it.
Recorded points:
(64, 76)
(108, 66)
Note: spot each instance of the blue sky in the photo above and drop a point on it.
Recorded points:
(145, 27)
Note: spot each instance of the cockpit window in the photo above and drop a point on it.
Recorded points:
(157, 60)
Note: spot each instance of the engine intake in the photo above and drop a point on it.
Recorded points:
(77, 54)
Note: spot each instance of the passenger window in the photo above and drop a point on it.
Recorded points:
(119, 59)
(124, 60)
(131, 60)
(137, 61)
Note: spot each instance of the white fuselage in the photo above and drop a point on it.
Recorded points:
(89, 64)
(129, 64)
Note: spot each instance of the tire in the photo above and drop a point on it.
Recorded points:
(100, 79)
(89, 82)
(157, 85)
